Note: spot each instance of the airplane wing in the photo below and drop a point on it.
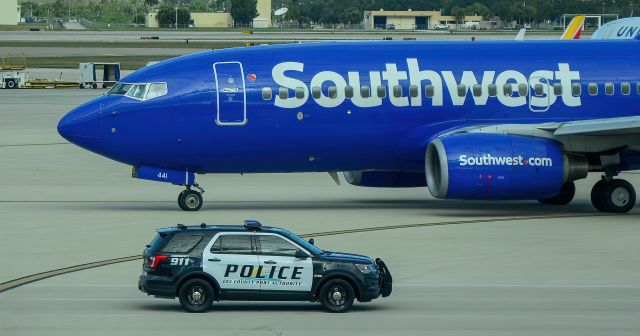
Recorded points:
(604, 127)
(582, 136)
(574, 29)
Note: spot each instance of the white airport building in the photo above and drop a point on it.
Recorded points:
(220, 19)
(9, 12)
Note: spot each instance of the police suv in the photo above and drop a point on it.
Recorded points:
(202, 264)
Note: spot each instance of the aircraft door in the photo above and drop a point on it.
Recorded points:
(231, 98)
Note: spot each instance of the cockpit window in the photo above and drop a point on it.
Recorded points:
(137, 91)
(120, 89)
(156, 90)
(140, 91)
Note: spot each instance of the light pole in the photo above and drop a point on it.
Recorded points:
(176, 16)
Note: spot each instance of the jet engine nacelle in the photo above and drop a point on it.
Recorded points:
(499, 166)
(385, 179)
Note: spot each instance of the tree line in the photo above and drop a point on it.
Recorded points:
(324, 11)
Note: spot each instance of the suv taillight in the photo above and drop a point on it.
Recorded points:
(157, 260)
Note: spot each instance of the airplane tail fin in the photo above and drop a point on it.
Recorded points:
(574, 29)
(521, 34)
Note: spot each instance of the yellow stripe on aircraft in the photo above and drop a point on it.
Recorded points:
(574, 28)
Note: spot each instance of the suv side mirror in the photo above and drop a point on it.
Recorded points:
(311, 241)
(301, 255)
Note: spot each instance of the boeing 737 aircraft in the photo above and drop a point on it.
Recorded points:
(488, 120)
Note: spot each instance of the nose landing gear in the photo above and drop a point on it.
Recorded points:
(189, 199)
(613, 195)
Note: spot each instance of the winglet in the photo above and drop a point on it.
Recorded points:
(574, 29)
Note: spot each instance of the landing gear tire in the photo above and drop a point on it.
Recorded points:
(597, 199)
(190, 200)
(336, 296)
(614, 196)
(567, 192)
(196, 296)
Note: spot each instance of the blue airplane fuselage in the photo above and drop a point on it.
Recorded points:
(218, 115)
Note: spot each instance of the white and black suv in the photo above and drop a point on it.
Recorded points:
(207, 263)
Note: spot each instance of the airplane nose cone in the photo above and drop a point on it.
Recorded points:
(82, 126)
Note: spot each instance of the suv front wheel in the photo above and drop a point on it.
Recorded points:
(196, 295)
(336, 296)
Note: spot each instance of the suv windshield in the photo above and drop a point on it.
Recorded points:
(312, 248)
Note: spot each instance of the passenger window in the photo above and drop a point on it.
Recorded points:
(348, 92)
(462, 90)
(413, 91)
(283, 93)
(557, 89)
(477, 90)
(182, 243)
(593, 89)
(276, 246)
(523, 89)
(576, 89)
(429, 91)
(232, 244)
(316, 92)
(539, 91)
(608, 89)
(508, 89)
(267, 93)
(493, 90)
(397, 91)
(300, 93)
(365, 92)
(382, 91)
(333, 92)
(625, 88)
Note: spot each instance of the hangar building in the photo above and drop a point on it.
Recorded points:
(9, 12)
(411, 19)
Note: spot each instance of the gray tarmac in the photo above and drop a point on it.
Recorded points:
(527, 269)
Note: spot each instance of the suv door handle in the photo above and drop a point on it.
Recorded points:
(215, 259)
(270, 262)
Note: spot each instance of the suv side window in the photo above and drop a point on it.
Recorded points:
(182, 243)
(232, 244)
(276, 246)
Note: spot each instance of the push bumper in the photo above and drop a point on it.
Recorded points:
(386, 280)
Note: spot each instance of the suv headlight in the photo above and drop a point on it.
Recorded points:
(366, 268)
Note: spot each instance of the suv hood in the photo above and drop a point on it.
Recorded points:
(339, 256)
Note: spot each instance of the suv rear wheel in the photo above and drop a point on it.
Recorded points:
(336, 296)
(196, 295)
